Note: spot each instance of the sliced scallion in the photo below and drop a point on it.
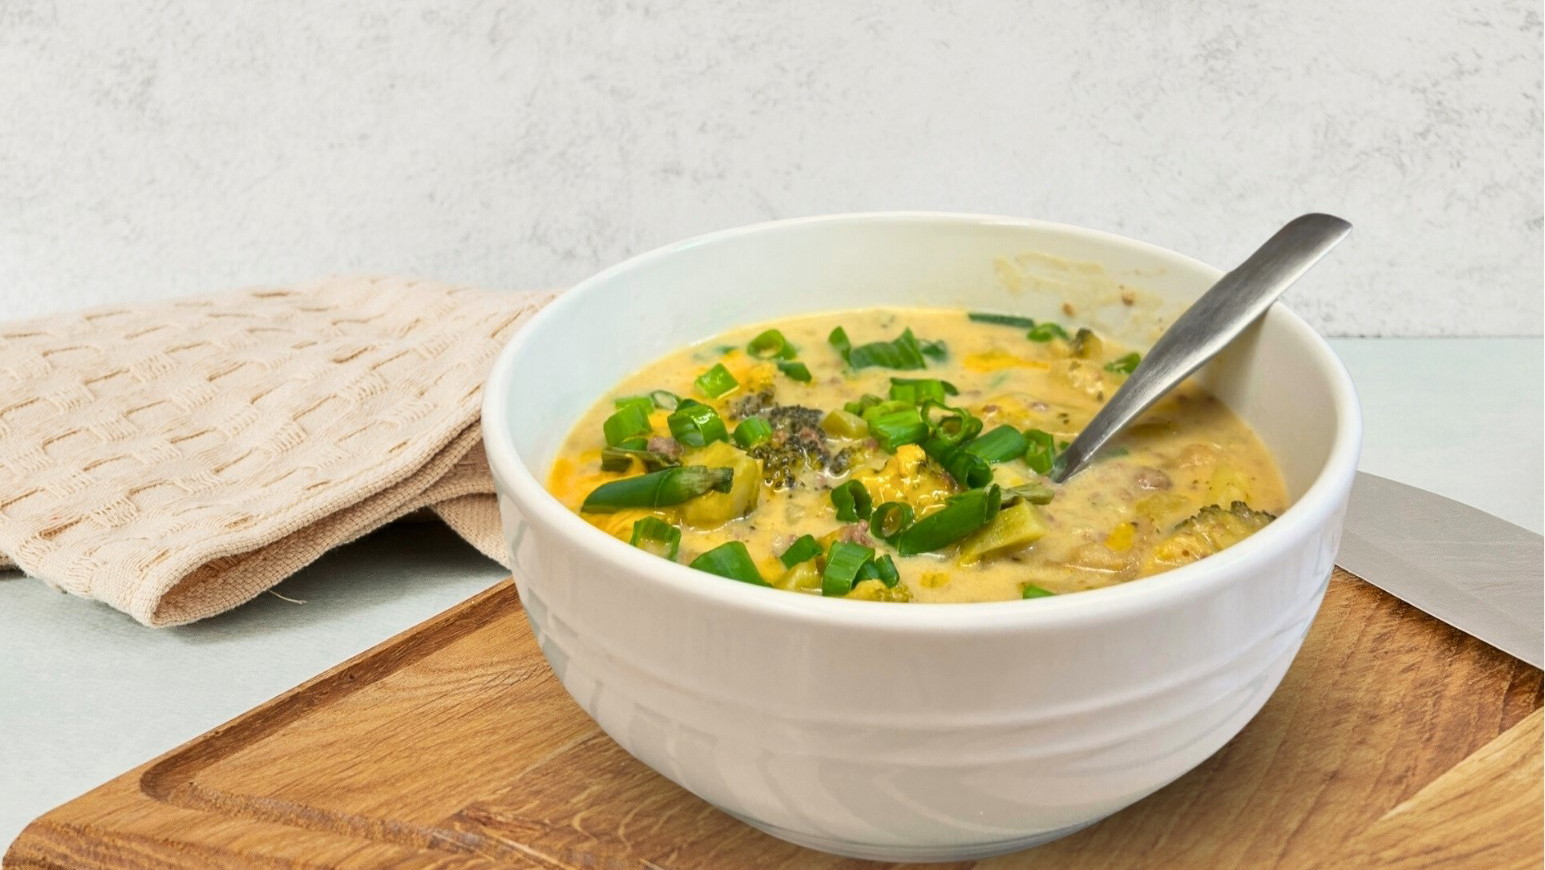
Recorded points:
(896, 428)
(696, 424)
(668, 486)
(644, 403)
(1124, 365)
(862, 404)
(884, 407)
(1046, 331)
(629, 424)
(1041, 453)
(844, 561)
(654, 535)
(885, 568)
(795, 370)
(1030, 590)
(889, 520)
(771, 344)
(920, 390)
(752, 431)
(968, 469)
(945, 446)
(665, 399)
(952, 426)
(1002, 319)
(999, 445)
(839, 341)
(716, 381)
(962, 515)
(730, 560)
(852, 502)
(903, 352)
(802, 550)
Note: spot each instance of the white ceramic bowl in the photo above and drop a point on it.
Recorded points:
(917, 732)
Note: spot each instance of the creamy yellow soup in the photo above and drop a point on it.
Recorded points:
(1187, 480)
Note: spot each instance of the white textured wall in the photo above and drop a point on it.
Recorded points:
(175, 147)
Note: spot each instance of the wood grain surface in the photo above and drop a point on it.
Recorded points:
(1394, 741)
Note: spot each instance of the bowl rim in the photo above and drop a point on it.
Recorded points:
(1312, 511)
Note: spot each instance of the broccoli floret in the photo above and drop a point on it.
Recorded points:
(752, 405)
(1208, 531)
(797, 447)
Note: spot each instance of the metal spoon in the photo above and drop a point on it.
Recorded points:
(1214, 320)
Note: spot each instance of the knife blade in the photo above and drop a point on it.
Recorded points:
(1477, 572)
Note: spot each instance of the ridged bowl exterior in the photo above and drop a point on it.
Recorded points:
(915, 732)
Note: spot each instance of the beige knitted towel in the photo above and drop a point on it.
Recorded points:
(177, 459)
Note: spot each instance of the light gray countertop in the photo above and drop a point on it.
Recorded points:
(86, 693)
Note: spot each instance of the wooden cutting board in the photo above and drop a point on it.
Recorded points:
(1394, 741)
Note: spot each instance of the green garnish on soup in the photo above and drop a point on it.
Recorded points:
(904, 455)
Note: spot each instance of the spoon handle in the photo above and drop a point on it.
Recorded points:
(1214, 320)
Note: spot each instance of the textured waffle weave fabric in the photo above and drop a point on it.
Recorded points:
(177, 459)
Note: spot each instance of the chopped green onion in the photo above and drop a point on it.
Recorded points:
(903, 352)
(716, 381)
(1124, 365)
(881, 568)
(1002, 319)
(885, 568)
(802, 550)
(852, 502)
(1044, 332)
(999, 445)
(945, 445)
(752, 431)
(843, 563)
(896, 428)
(654, 535)
(1030, 590)
(629, 423)
(667, 486)
(953, 426)
(962, 515)
(838, 339)
(936, 350)
(665, 399)
(621, 459)
(876, 411)
(1042, 452)
(920, 390)
(795, 370)
(1035, 493)
(644, 403)
(863, 404)
(730, 560)
(889, 520)
(968, 469)
(696, 424)
(771, 344)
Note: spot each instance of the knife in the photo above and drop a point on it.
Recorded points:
(1479, 573)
